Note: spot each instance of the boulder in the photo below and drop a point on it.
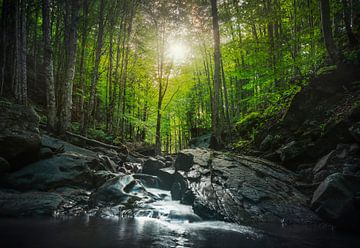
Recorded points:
(200, 141)
(344, 159)
(4, 165)
(14, 204)
(159, 169)
(102, 176)
(337, 200)
(240, 189)
(74, 166)
(355, 131)
(153, 164)
(124, 190)
(19, 134)
(293, 151)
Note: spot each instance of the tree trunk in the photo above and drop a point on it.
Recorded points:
(72, 12)
(327, 32)
(91, 107)
(48, 66)
(20, 53)
(347, 20)
(216, 125)
(82, 66)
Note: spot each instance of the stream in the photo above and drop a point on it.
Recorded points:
(163, 223)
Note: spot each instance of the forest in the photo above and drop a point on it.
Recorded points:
(163, 72)
(193, 123)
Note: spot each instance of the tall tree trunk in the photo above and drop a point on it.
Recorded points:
(347, 20)
(72, 13)
(91, 107)
(327, 32)
(216, 124)
(126, 62)
(20, 53)
(48, 66)
(5, 6)
(82, 65)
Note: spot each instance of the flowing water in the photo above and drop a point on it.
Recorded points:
(164, 223)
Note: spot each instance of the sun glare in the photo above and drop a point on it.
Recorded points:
(177, 51)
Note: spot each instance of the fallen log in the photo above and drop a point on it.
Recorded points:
(122, 148)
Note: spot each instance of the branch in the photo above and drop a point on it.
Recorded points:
(93, 142)
(172, 98)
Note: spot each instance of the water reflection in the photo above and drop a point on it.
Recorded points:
(145, 232)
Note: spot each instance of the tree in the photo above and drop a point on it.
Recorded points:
(216, 124)
(70, 41)
(327, 31)
(48, 66)
(98, 53)
(20, 53)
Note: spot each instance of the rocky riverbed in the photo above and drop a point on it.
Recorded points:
(45, 176)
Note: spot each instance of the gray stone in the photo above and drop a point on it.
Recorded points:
(123, 190)
(240, 189)
(73, 167)
(334, 200)
(19, 134)
(29, 204)
(4, 165)
(355, 131)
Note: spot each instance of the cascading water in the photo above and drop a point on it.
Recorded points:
(166, 209)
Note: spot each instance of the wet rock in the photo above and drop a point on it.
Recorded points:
(344, 159)
(123, 190)
(266, 143)
(4, 165)
(355, 131)
(132, 167)
(148, 180)
(293, 150)
(240, 189)
(102, 176)
(336, 200)
(29, 204)
(200, 142)
(45, 153)
(184, 161)
(74, 166)
(153, 164)
(19, 134)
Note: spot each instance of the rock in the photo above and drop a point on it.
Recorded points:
(4, 165)
(335, 200)
(132, 167)
(161, 158)
(74, 167)
(169, 158)
(292, 151)
(102, 176)
(323, 162)
(159, 169)
(124, 190)
(355, 131)
(266, 143)
(240, 189)
(148, 180)
(344, 159)
(45, 153)
(201, 141)
(19, 134)
(29, 204)
(188, 157)
(152, 165)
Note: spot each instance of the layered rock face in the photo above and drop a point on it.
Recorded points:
(239, 189)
